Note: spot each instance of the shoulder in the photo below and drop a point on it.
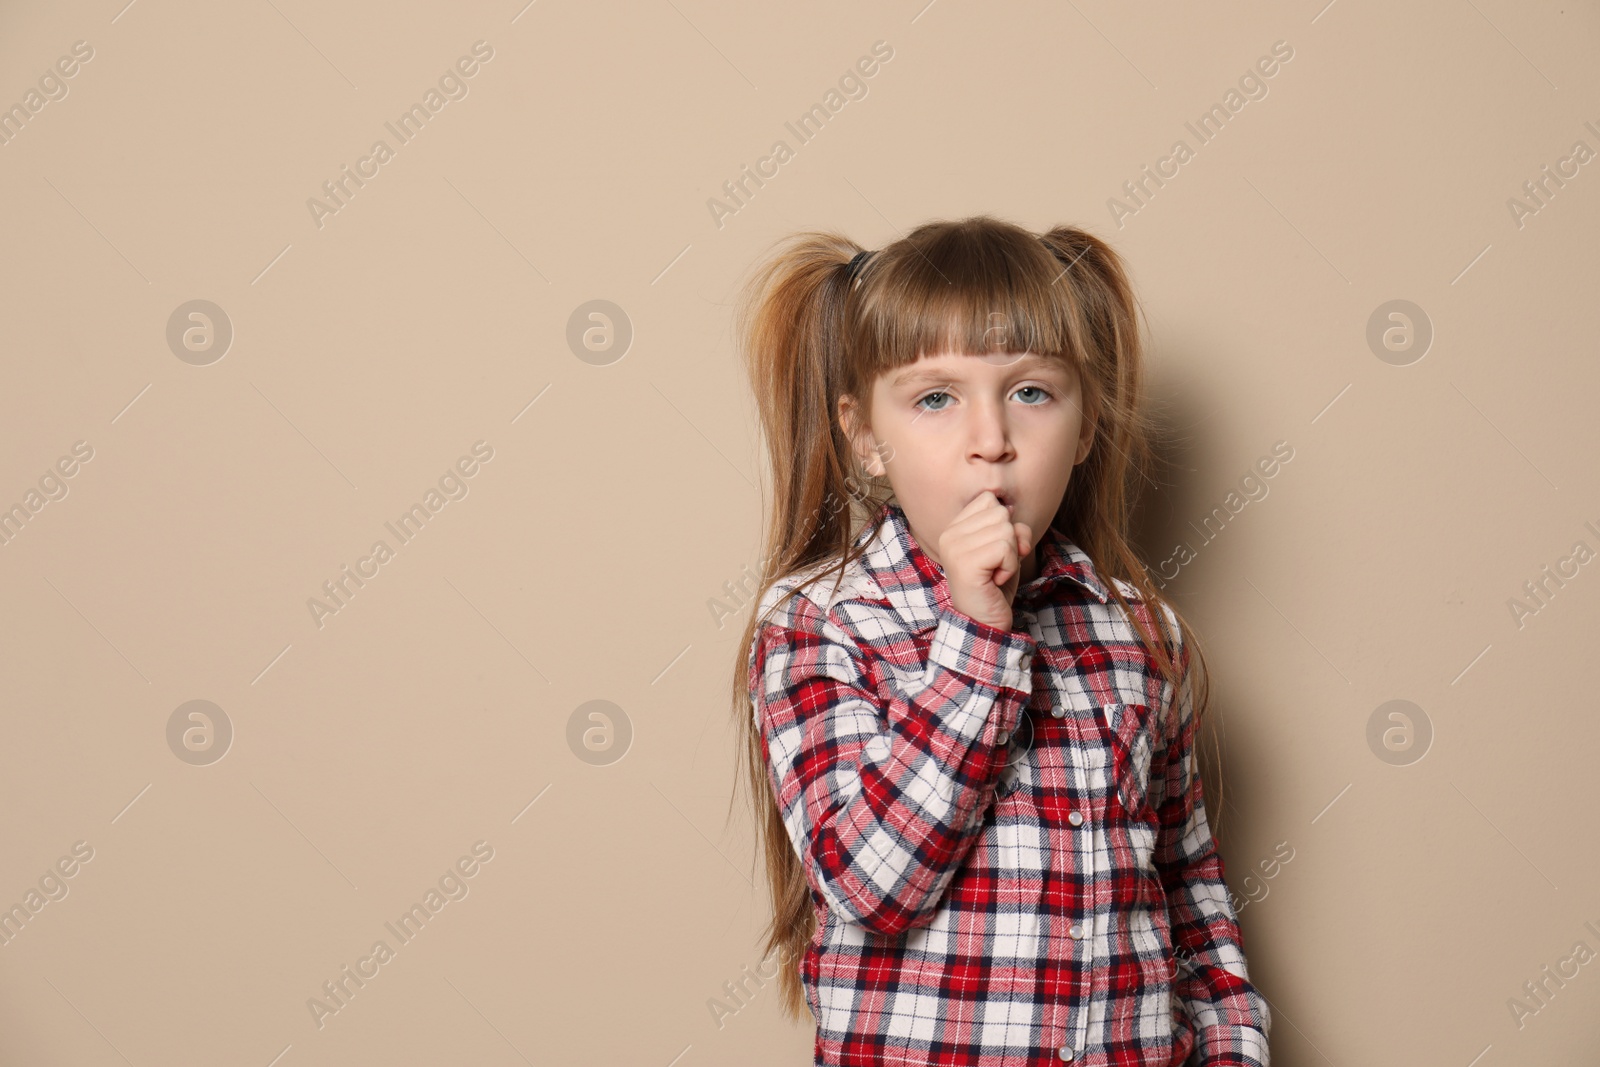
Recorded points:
(819, 588)
(1171, 618)
(821, 601)
(1145, 608)
(810, 626)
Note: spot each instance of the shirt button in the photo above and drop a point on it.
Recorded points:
(1076, 818)
(1075, 931)
(1003, 738)
(1066, 1052)
(1058, 711)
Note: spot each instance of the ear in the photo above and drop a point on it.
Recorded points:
(862, 441)
(1086, 432)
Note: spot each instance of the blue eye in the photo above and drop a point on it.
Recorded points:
(925, 406)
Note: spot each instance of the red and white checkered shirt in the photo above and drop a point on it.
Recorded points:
(1003, 831)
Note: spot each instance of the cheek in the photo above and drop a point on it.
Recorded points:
(1052, 447)
(1050, 430)
(1072, 426)
(917, 471)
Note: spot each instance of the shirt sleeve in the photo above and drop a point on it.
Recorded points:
(1231, 1018)
(883, 795)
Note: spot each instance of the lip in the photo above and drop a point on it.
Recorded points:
(1003, 496)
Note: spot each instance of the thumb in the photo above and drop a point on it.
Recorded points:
(1024, 538)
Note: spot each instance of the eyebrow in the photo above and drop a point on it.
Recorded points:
(913, 374)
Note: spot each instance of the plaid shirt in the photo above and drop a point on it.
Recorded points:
(1003, 832)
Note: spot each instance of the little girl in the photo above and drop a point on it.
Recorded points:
(970, 734)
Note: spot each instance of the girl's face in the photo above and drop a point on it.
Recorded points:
(947, 427)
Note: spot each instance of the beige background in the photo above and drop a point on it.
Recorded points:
(587, 560)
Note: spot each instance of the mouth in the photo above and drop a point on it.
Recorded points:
(1005, 498)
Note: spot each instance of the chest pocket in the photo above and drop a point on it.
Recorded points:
(1132, 742)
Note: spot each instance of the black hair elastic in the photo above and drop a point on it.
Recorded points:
(857, 261)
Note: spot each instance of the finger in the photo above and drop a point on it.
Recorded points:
(986, 540)
(977, 529)
(1010, 561)
(1024, 538)
(978, 503)
(989, 523)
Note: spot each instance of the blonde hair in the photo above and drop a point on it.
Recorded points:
(813, 326)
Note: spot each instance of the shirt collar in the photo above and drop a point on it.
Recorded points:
(916, 585)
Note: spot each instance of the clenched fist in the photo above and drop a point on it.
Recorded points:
(982, 552)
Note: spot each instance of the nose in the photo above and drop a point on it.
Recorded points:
(990, 433)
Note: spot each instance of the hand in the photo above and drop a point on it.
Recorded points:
(982, 552)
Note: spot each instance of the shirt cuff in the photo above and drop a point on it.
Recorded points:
(1242, 1046)
(989, 656)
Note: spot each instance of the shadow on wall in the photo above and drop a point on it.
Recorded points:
(1175, 524)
